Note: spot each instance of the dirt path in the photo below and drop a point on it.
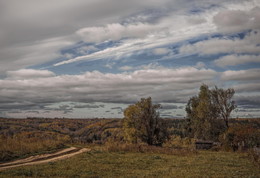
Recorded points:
(45, 158)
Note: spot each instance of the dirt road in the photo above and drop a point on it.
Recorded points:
(44, 158)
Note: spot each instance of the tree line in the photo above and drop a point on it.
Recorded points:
(207, 117)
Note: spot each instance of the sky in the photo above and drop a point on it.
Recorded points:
(92, 59)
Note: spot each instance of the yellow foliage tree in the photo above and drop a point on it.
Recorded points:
(143, 124)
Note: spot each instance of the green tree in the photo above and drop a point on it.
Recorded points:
(203, 112)
(143, 124)
(225, 104)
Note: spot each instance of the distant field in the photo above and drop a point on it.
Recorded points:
(121, 164)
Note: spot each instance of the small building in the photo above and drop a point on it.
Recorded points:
(203, 145)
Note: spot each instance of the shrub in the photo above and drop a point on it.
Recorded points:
(240, 137)
(176, 141)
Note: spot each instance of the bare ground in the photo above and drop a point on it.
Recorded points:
(44, 158)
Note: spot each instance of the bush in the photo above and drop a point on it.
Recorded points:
(240, 137)
(177, 142)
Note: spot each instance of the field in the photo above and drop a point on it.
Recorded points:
(125, 164)
(110, 157)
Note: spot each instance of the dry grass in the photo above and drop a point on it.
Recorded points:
(29, 143)
(129, 164)
(254, 155)
(142, 148)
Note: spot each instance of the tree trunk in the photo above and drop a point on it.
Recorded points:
(226, 122)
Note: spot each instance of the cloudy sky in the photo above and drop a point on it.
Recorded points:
(78, 58)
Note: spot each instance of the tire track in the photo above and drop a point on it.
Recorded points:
(45, 158)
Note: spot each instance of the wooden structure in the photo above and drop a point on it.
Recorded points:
(203, 145)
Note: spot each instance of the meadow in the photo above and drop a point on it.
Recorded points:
(111, 157)
(98, 163)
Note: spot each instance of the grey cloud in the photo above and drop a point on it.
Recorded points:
(249, 44)
(248, 110)
(179, 115)
(233, 60)
(161, 51)
(34, 112)
(34, 32)
(88, 106)
(42, 20)
(161, 84)
(241, 75)
(3, 115)
(11, 104)
(67, 111)
(65, 108)
(120, 108)
(196, 20)
(247, 87)
(15, 112)
(115, 31)
(166, 115)
(168, 107)
(248, 101)
(238, 20)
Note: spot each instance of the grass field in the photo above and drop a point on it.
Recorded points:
(124, 164)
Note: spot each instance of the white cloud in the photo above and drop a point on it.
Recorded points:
(125, 68)
(29, 73)
(195, 20)
(29, 27)
(31, 54)
(151, 66)
(200, 65)
(34, 32)
(241, 75)
(127, 47)
(249, 44)
(247, 87)
(233, 60)
(115, 31)
(161, 51)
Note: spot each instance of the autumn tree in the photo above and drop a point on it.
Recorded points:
(143, 124)
(202, 114)
(223, 100)
(207, 111)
